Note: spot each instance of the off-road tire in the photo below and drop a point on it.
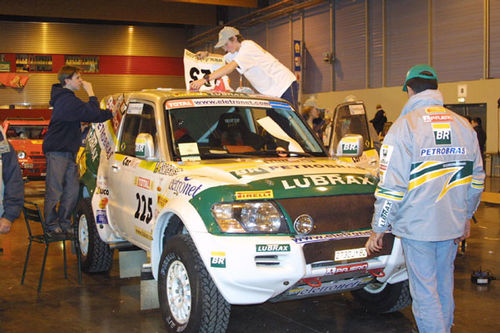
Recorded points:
(392, 298)
(99, 257)
(209, 310)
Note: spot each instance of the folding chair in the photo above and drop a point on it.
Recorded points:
(32, 214)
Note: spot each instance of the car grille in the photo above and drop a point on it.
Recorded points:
(335, 214)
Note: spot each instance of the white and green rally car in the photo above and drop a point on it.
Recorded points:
(236, 202)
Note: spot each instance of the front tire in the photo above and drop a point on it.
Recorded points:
(96, 256)
(384, 298)
(189, 299)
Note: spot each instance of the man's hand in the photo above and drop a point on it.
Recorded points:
(466, 233)
(202, 54)
(88, 88)
(374, 243)
(195, 85)
(5, 225)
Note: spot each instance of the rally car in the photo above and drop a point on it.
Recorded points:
(26, 136)
(236, 201)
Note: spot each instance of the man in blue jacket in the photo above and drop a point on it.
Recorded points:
(61, 144)
(11, 185)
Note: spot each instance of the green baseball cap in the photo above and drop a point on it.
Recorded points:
(416, 71)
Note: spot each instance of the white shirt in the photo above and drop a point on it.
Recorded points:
(266, 74)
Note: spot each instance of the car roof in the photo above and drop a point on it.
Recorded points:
(167, 93)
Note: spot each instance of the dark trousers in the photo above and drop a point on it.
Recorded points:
(61, 186)
(292, 95)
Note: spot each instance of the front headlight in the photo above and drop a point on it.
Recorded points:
(249, 217)
(21, 154)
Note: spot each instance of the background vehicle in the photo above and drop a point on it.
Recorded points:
(26, 136)
(237, 203)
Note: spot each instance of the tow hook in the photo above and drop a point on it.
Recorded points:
(378, 272)
(312, 282)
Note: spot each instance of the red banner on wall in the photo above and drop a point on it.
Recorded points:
(13, 80)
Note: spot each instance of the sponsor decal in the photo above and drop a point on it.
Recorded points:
(250, 195)
(131, 162)
(330, 287)
(349, 146)
(348, 269)
(218, 259)
(103, 203)
(327, 237)
(182, 186)
(325, 180)
(272, 247)
(101, 190)
(166, 169)
(249, 172)
(144, 183)
(442, 133)
(104, 141)
(435, 109)
(135, 108)
(93, 145)
(423, 172)
(437, 118)
(356, 109)
(204, 102)
(184, 103)
(101, 217)
(384, 215)
(162, 201)
(385, 158)
(143, 233)
(436, 151)
(280, 105)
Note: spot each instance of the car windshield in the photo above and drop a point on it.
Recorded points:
(20, 132)
(229, 131)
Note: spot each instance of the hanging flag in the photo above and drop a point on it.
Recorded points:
(13, 80)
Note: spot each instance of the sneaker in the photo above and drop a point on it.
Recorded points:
(68, 230)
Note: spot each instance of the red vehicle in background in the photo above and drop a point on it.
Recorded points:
(26, 136)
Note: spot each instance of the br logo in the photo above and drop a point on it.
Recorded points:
(442, 134)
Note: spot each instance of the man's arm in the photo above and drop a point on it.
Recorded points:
(224, 70)
(13, 197)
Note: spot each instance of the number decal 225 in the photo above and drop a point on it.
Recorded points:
(141, 203)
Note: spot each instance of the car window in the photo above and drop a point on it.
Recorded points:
(32, 132)
(212, 132)
(349, 120)
(133, 125)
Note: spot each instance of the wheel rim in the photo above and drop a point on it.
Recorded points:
(83, 234)
(375, 287)
(179, 292)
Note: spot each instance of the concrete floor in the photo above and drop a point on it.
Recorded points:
(106, 303)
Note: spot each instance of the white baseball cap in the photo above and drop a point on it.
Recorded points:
(225, 34)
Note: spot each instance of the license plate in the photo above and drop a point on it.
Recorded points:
(28, 165)
(351, 254)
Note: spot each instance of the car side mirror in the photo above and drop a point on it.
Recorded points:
(144, 146)
(351, 145)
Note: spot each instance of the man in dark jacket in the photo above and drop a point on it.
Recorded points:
(481, 135)
(61, 144)
(11, 185)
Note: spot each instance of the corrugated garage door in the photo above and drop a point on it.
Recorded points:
(406, 38)
(457, 29)
(495, 39)
(350, 44)
(317, 77)
(375, 42)
(279, 40)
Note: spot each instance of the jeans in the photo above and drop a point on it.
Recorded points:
(292, 95)
(61, 186)
(430, 268)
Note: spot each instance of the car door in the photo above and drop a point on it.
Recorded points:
(131, 179)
